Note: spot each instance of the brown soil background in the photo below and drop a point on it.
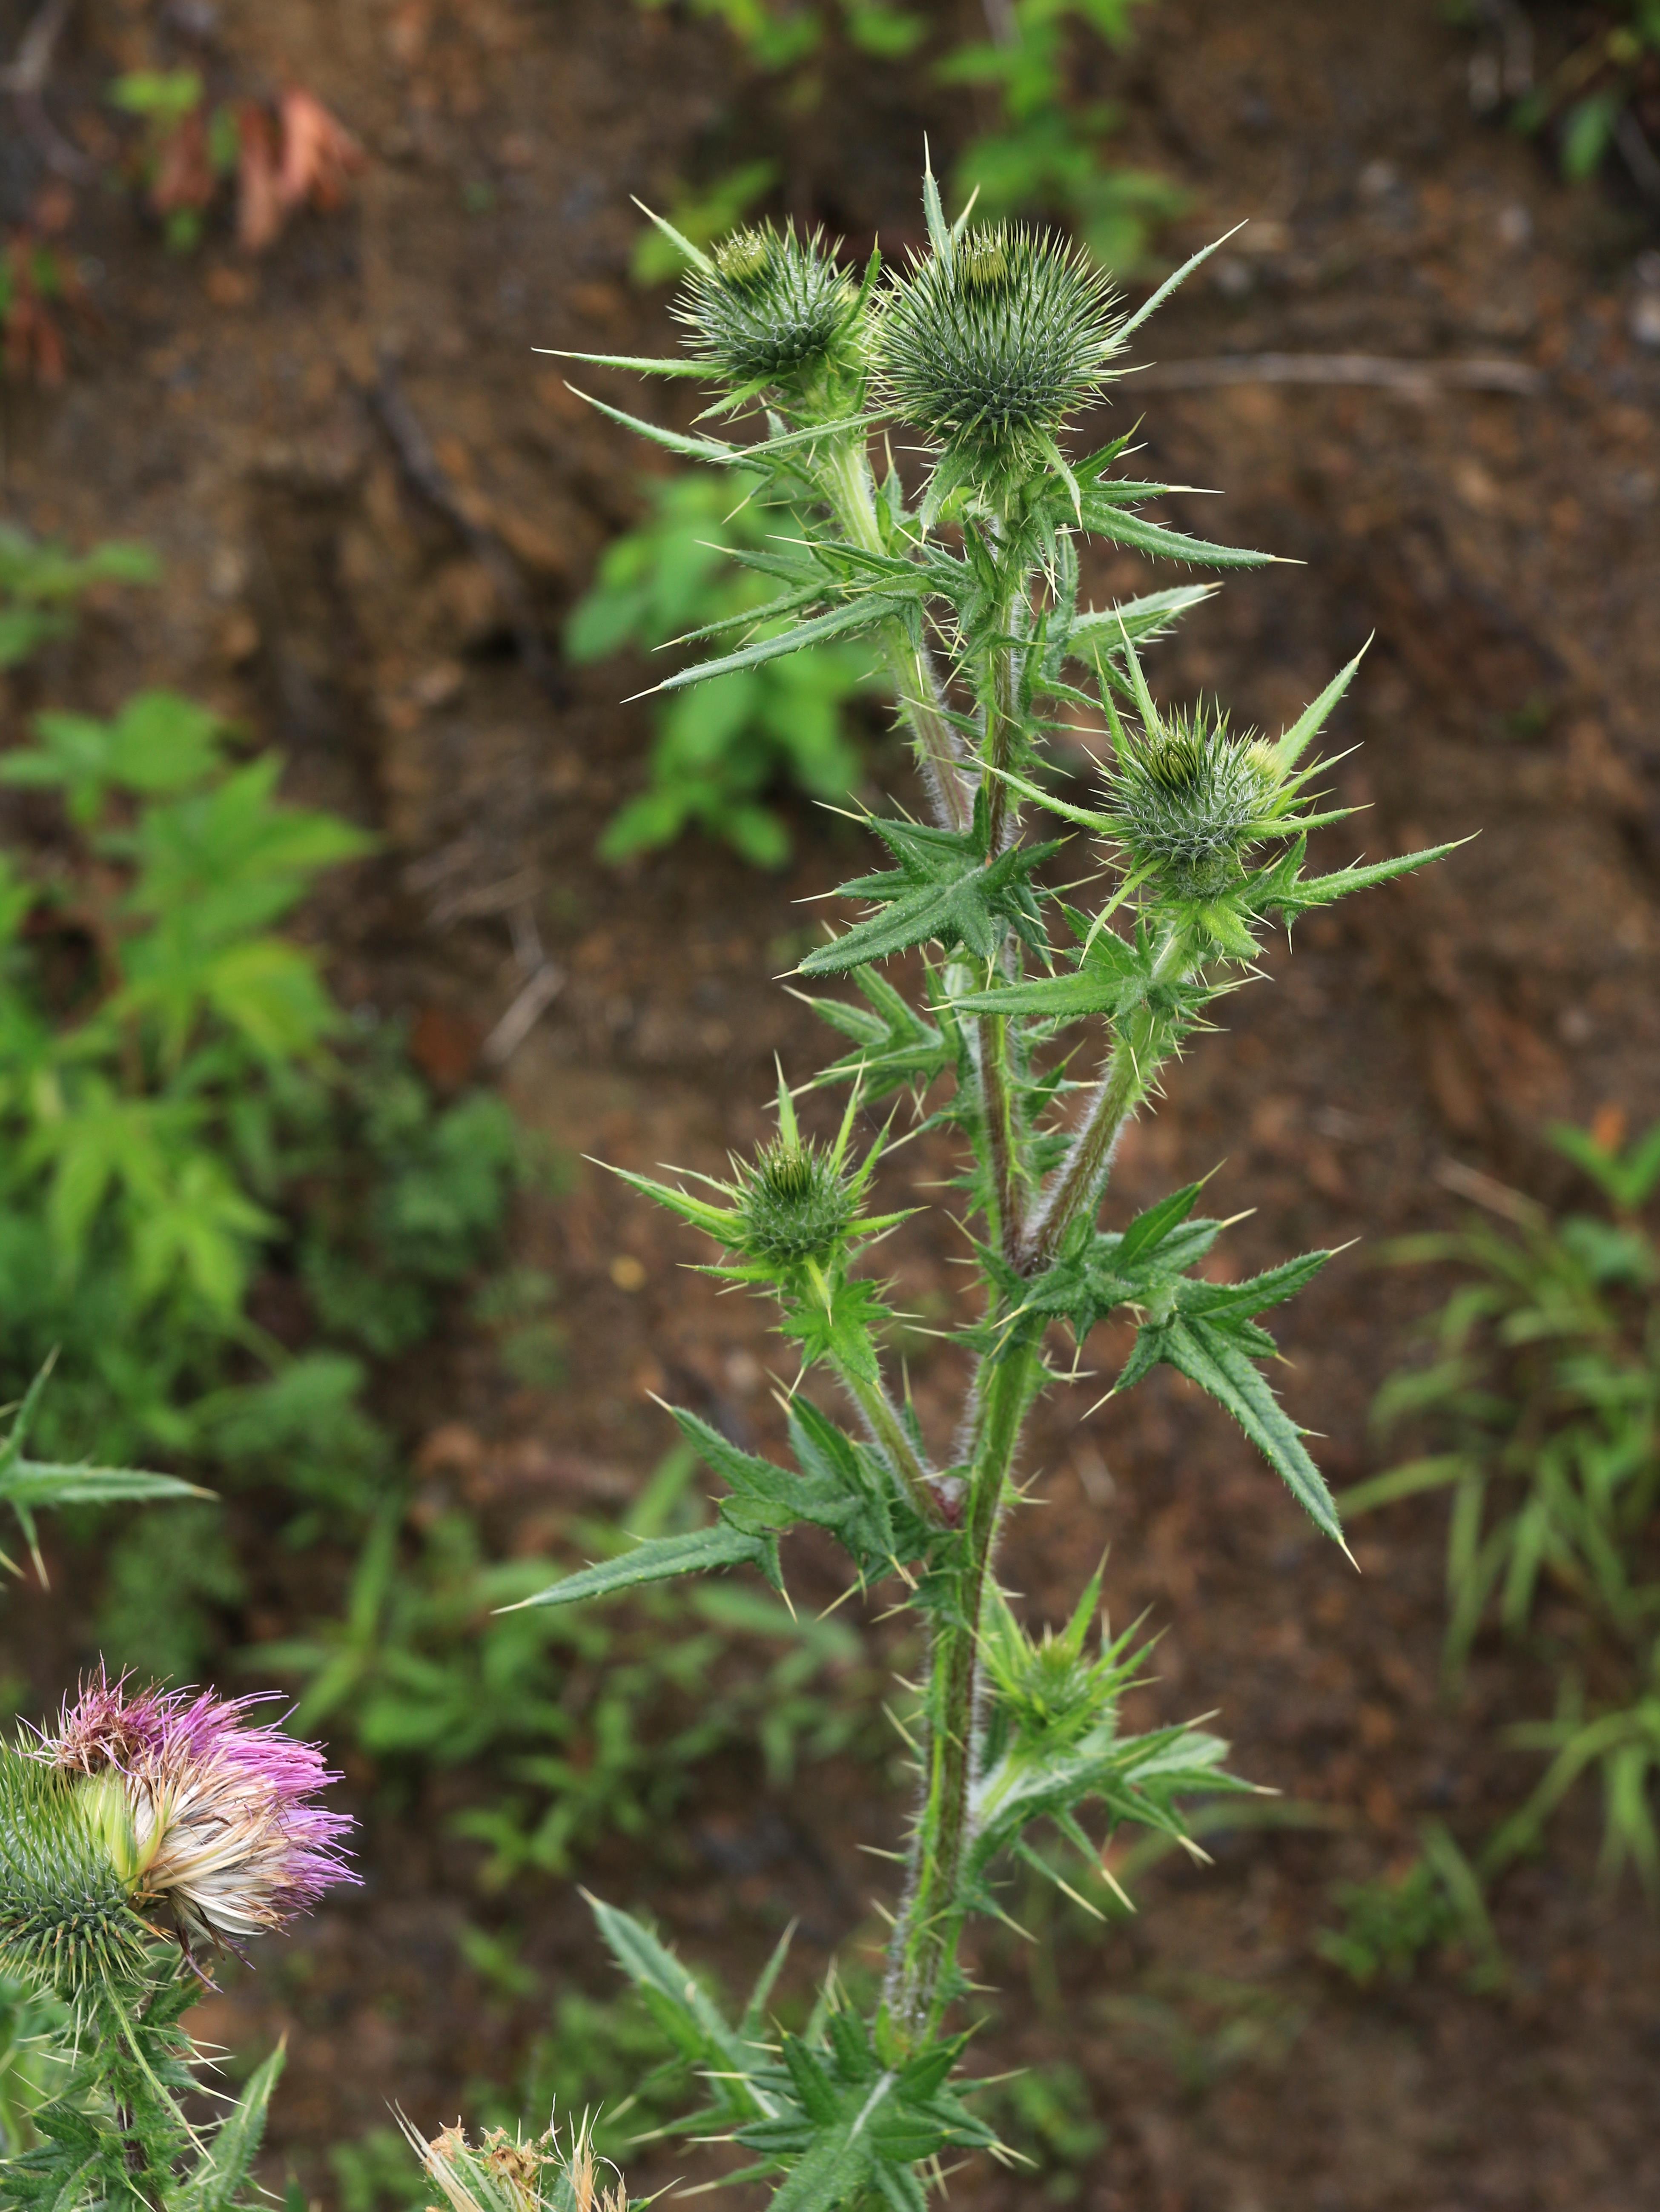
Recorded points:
(1502, 548)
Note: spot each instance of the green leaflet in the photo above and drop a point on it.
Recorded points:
(34, 1482)
(699, 2030)
(641, 364)
(26, 1485)
(767, 1499)
(660, 1559)
(1144, 618)
(222, 2167)
(1216, 1355)
(1112, 976)
(840, 622)
(1139, 1780)
(843, 2122)
(1107, 520)
(942, 891)
(1207, 1331)
(1098, 1271)
(1284, 888)
(894, 1046)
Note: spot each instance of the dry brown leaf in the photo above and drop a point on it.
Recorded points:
(319, 155)
(258, 207)
(184, 175)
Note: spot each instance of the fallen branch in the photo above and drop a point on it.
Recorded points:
(1411, 379)
(535, 995)
(26, 81)
(426, 472)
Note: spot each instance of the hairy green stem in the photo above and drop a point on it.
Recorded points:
(1002, 1146)
(844, 474)
(996, 1091)
(892, 1438)
(1077, 1189)
(1002, 721)
(923, 1955)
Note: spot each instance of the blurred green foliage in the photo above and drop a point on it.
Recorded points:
(587, 1721)
(185, 1113)
(720, 747)
(1047, 2114)
(1038, 150)
(1541, 1402)
(1601, 95)
(1044, 153)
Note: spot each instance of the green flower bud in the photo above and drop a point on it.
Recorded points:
(794, 1204)
(989, 347)
(1187, 798)
(770, 309)
(66, 1923)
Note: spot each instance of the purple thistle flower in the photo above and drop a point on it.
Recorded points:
(201, 1810)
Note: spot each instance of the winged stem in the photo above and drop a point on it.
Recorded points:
(921, 1957)
(844, 474)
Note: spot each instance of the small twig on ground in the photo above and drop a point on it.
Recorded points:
(1638, 156)
(1410, 379)
(1485, 1190)
(535, 995)
(426, 472)
(474, 903)
(26, 81)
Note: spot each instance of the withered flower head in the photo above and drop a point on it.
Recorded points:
(201, 1811)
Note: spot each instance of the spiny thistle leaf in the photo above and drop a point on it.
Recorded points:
(943, 890)
(662, 1558)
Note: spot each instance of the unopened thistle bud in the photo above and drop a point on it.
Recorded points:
(990, 347)
(795, 1204)
(770, 308)
(197, 1812)
(1187, 798)
(66, 1918)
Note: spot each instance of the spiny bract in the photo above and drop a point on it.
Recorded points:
(769, 306)
(989, 346)
(796, 1205)
(1187, 797)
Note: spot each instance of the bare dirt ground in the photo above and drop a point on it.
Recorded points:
(1505, 551)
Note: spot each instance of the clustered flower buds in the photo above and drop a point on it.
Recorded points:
(795, 1203)
(769, 306)
(988, 347)
(1187, 797)
(499, 2174)
(198, 1812)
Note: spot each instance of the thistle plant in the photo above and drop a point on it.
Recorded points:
(1009, 990)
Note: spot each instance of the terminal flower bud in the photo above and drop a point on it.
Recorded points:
(989, 346)
(769, 306)
(795, 1203)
